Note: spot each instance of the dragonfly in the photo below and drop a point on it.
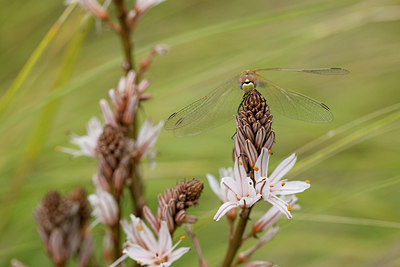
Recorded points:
(223, 103)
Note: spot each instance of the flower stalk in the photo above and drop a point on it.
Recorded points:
(125, 35)
(196, 245)
(236, 241)
(250, 181)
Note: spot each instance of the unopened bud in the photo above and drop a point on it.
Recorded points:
(161, 49)
(96, 9)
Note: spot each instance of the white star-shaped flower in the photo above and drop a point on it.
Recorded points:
(86, 143)
(273, 186)
(147, 137)
(241, 191)
(216, 186)
(105, 207)
(143, 247)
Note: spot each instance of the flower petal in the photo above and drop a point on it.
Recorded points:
(227, 206)
(267, 220)
(280, 204)
(290, 188)
(215, 186)
(283, 168)
(240, 172)
(138, 253)
(228, 172)
(249, 190)
(177, 254)
(128, 231)
(108, 115)
(247, 202)
(262, 165)
(164, 238)
(147, 236)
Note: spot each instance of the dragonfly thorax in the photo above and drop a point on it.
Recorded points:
(247, 82)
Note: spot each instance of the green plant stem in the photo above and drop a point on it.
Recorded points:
(236, 241)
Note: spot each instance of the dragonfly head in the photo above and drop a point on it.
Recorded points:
(247, 81)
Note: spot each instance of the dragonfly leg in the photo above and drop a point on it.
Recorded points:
(233, 136)
(241, 103)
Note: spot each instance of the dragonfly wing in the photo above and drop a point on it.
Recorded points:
(212, 110)
(292, 104)
(323, 71)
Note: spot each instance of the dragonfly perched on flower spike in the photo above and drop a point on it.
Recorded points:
(223, 103)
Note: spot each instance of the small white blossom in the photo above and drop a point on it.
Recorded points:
(146, 139)
(86, 143)
(241, 191)
(273, 215)
(142, 246)
(92, 6)
(161, 49)
(105, 207)
(143, 6)
(216, 187)
(272, 186)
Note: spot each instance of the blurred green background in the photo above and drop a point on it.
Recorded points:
(349, 217)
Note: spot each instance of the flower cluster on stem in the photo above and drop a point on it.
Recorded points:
(62, 225)
(142, 246)
(250, 182)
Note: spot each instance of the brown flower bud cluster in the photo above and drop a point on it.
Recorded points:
(113, 153)
(254, 130)
(173, 203)
(62, 226)
(125, 99)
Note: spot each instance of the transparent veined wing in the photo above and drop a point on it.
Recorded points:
(322, 71)
(210, 111)
(292, 104)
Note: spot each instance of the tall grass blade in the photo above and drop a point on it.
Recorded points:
(372, 127)
(40, 133)
(23, 74)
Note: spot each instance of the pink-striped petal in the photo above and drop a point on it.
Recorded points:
(280, 204)
(138, 253)
(262, 165)
(283, 168)
(240, 172)
(289, 188)
(215, 186)
(177, 254)
(227, 206)
(164, 238)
